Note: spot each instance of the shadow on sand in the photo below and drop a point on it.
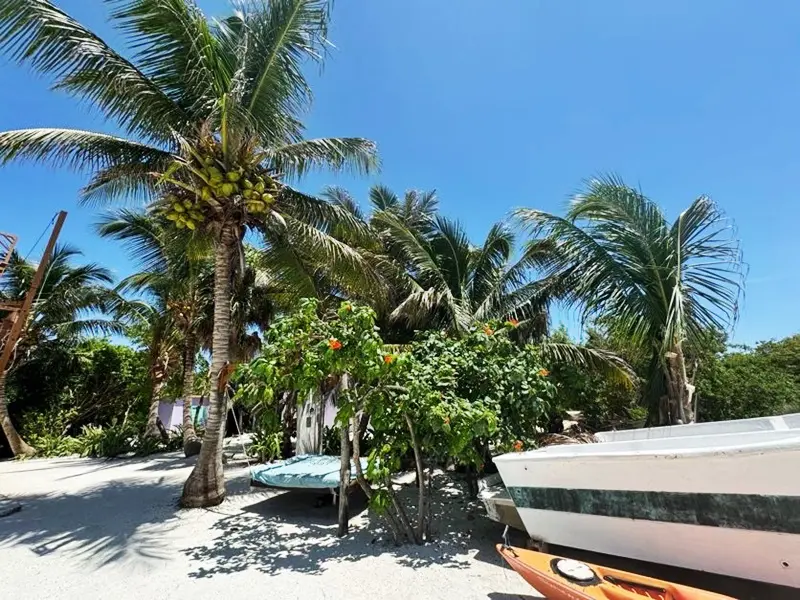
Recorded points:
(286, 532)
(100, 525)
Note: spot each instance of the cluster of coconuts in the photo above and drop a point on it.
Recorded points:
(184, 213)
(213, 187)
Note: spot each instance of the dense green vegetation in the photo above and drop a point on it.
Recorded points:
(750, 382)
(437, 344)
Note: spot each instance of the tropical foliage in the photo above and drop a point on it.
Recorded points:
(750, 382)
(66, 305)
(436, 349)
(659, 285)
(443, 399)
(210, 110)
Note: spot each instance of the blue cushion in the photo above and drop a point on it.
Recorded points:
(307, 471)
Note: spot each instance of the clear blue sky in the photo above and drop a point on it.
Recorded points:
(505, 104)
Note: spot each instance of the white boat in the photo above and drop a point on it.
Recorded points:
(724, 503)
(777, 423)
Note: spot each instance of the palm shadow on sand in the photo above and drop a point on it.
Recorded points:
(286, 532)
(100, 525)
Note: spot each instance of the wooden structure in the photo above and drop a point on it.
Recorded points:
(17, 311)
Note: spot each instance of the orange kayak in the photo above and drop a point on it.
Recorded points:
(565, 579)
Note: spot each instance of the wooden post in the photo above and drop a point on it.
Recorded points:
(22, 316)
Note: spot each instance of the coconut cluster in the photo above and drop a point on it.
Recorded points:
(214, 187)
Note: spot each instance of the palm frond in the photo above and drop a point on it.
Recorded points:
(143, 238)
(292, 272)
(488, 262)
(422, 256)
(592, 276)
(134, 182)
(88, 326)
(601, 361)
(708, 272)
(337, 154)
(383, 198)
(344, 265)
(322, 215)
(342, 198)
(82, 151)
(450, 244)
(178, 51)
(281, 37)
(37, 33)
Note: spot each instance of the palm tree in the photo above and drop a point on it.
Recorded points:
(434, 278)
(452, 284)
(211, 114)
(150, 325)
(655, 283)
(177, 298)
(66, 306)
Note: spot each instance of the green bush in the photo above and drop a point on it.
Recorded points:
(743, 385)
(64, 386)
(54, 445)
(97, 441)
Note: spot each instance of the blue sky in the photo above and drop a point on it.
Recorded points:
(515, 105)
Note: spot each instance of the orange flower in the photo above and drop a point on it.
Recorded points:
(518, 446)
(388, 359)
(544, 372)
(447, 420)
(488, 330)
(334, 344)
(348, 307)
(512, 322)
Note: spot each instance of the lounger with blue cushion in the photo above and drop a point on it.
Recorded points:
(308, 471)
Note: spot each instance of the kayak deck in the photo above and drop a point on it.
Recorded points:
(564, 579)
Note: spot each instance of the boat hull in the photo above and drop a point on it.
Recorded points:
(727, 504)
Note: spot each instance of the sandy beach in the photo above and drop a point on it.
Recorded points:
(111, 529)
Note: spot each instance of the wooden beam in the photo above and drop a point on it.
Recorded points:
(22, 315)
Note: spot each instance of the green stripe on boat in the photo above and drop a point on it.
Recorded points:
(733, 511)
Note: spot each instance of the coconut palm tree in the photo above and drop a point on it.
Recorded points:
(66, 306)
(454, 285)
(175, 284)
(655, 283)
(209, 112)
(177, 300)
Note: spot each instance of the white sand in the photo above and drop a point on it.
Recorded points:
(110, 529)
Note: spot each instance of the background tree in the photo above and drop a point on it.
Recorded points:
(66, 306)
(454, 285)
(176, 313)
(657, 284)
(435, 277)
(750, 382)
(212, 108)
(69, 383)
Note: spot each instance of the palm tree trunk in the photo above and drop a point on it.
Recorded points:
(206, 483)
(191, 445)
(679, 390)
(158, 373)
(151, 429)
(15, 441)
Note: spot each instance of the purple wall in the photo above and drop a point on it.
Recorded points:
(171, 413)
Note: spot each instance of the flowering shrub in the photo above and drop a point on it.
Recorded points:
(441, 399)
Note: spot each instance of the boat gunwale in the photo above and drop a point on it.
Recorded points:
(542, 455)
